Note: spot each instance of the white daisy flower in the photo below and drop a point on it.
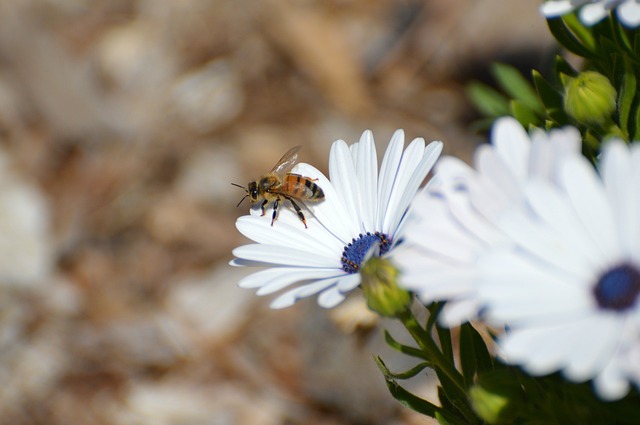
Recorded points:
(452, 225)
(593, 11)
(363, 206)
(568, 290)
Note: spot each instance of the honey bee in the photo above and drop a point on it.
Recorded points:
(279, 184)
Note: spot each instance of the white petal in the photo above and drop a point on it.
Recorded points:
(552, 9)
(367, 171)
(348, 282)
(629, 13)
(622, 193)
(278, 283)
(591, 14)
(512, 144)
(388, 172)
(331, 298)
(291, 297)
(343, 176)
(413, 169)
(611, 384)
(497, 173)
(592, 207)
(541, 243)
(593, 346)
(331, 212)
(292, 236)
(553, 208)
(457, 312)
(285, 256)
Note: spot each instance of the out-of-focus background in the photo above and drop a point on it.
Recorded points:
(122, 125)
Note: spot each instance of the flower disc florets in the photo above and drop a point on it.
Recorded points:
(618, 288)
(354, 253)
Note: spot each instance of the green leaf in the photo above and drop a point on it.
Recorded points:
(516, 86)
(566, 38)
(403, 396)
(523, 114)
(474, 355)
(622, 38)
(456, 411)
(487, 100)
(636, 122)
(626, 95)
(434, 310)
(446, 345)
(561, 66)
(411, 372)
(636, 45)
(550, 97)
(579, 31)
(404, 349)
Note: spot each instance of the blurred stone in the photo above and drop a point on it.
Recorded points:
(208, 97)
(26, 253)
(353, 315)
(174, 216)
(179, 403)
(212, 306)
(147, 342)
(33, 357)
(208, 173)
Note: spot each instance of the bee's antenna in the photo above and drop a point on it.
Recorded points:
(243, 188)
(243, 198)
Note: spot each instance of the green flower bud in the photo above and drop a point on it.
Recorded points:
(589, 98)
(379, 283)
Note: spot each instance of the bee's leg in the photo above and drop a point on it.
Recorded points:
(275, 210)
(262, 207)
(298, 211)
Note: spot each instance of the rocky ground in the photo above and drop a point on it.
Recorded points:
(122, 124)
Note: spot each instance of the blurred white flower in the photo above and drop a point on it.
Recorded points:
(451, 219)
(593, 11)
(363, 207)
(568, 288)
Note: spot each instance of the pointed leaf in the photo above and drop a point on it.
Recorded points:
(580, 32)
(411, 372)
(566, 38)
(405, 397)
(434, 311)
(523, 114)
(446, 345)
(474, 355)
(404, 349)
(516, 86)
(561, 66)
(550, 97)
(626, 96)
(457, 410)
(487, 100)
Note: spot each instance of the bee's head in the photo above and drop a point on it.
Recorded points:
(252, 192)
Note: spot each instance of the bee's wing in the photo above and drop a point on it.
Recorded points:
(287, 161)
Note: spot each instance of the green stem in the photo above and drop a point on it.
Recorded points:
(429, 347)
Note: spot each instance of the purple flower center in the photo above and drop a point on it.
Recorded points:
(354, 252)
(618, 288)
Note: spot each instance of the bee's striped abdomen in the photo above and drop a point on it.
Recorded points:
(301, 187)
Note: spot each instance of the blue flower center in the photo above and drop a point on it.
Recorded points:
(618, 288)
(354, 252)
